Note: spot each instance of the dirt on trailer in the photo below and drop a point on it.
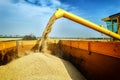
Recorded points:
(39, 66)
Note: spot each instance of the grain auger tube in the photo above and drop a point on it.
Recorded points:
(62, 13)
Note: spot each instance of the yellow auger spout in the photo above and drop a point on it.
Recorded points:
(61, 13)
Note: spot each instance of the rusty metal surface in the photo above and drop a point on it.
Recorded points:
(100, 47)
(97, 61)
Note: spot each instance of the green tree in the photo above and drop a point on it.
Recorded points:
(29, 37)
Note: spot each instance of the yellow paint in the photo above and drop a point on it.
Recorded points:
(27, 42)
(61, 13)
(5, 45)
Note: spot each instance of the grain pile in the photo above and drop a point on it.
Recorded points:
(39, 66)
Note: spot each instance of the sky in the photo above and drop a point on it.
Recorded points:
(24, 17)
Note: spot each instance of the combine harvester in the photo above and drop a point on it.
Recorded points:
(97, 60)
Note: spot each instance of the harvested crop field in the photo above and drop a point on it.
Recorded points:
(9, 39)
(38, 66)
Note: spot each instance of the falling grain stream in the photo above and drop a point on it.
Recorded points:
(40, 66)
(43, 42)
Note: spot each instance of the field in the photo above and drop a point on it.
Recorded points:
(9, 39)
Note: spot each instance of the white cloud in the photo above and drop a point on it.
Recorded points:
(56, 3)
(25, 15)
(35, 17)
(31, 8)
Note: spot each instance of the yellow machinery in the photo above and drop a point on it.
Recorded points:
(61, 13)
(113, 23)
